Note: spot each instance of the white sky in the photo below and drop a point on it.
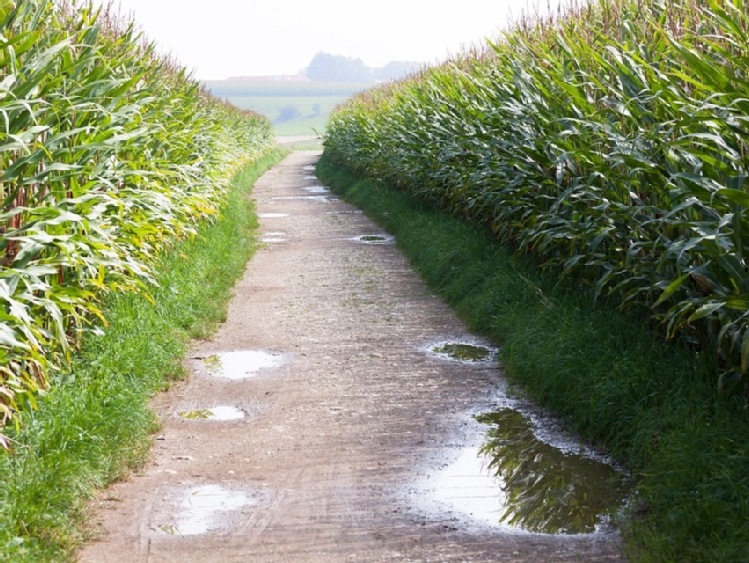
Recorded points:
(221, 38)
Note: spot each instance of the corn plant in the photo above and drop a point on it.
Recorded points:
(108, 152)
(610, 141)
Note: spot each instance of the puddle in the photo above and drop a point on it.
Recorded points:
(309, 167)
(468, 487)
(222, 413)
(242, 364)
(466, 352)
(316, 189)
(346, 212)
(274, 237)
(199, 414)
(203, 509)
(543, 488)
(375, 239)
(312, 197)
(463, 352)
(520, 484)
(272, 215)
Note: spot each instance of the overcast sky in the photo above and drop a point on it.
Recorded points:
(222, 38)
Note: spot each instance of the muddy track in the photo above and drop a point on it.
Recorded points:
(343, 438)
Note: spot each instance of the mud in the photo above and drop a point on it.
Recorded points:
(344, 447)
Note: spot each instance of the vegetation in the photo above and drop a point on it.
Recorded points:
(94, 423)
(301, 105)
(298, 115)
(609, 147)
(648, 402)
(611, 143)
(109, 154)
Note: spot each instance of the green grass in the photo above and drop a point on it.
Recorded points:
(94, 424)
(651, 404)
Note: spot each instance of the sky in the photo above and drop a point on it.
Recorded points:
(218, 39)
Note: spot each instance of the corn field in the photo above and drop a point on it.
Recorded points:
(609, 141)
(108, 152)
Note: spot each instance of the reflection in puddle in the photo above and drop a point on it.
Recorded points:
(272, 215)
(375, 239)
(223, 413)
(202, 507)
(274, 237)
(309, 167)
(463, 352)
(469, 488)
(199, 414)
(548, 490)
(316, 189)
(242, 364)
(323, 198)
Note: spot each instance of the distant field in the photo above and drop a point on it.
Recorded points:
(295, 108)
(291, 115)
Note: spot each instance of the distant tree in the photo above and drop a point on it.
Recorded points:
(396, 69)
(287, 113)
(325, 67)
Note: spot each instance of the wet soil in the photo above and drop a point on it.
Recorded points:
(346, 434)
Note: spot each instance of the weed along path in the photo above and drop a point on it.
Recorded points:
(325, 420)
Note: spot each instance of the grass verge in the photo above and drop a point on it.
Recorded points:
(94, 425)
(653, 405)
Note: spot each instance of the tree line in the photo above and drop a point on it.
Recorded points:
(326, 67)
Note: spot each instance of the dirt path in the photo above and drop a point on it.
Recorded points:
(344, 436)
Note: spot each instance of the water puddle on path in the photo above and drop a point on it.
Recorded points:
(520, 483)
(544, 488)
(274, 237)
(316, 189)
(466, 486)
(521, 473)
(374, 239)
(242, 364)
(309, 167)
(222, 413)
(311, 197)
(204, 509)
(463, 351)
(272, 215)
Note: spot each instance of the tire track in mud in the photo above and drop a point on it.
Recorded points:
(341, 444)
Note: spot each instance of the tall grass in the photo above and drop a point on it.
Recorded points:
(610, 141)
(109, 152)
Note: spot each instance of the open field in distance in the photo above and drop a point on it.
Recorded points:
(295, 107)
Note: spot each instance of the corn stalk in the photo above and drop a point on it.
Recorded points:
(610, 141)
(109, 152)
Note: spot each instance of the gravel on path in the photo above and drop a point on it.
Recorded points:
(348, 420)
